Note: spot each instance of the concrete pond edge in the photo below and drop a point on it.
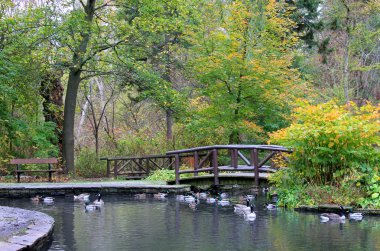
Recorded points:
(24, 229)
(332, 208)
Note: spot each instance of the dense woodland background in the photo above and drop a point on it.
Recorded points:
(82, 79)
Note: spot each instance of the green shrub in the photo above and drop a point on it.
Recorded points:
(335, 147)
(87, 165)
(162, 175)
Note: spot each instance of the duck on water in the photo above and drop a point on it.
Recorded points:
(332, 216)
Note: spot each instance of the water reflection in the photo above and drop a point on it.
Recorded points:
(125, 223)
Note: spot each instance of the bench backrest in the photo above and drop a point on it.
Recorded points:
(34, 161)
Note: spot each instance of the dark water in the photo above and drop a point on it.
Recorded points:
(125, 223)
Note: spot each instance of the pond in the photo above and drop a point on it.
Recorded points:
(125, 223)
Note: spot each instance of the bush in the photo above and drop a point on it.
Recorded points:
(162, 175)
(333, 146)
(87, 165)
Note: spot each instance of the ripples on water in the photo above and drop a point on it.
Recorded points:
(125, 223)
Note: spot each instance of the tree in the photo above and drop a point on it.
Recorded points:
(24, 131)
(347, 60)
(242, 59)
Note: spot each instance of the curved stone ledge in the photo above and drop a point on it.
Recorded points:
(22, 190)
(333, 208)
(24, 229)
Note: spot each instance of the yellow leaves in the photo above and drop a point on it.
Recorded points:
(252, 126)
(332, 142)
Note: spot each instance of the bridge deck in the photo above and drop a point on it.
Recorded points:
(225, 178)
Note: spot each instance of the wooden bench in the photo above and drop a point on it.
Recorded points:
(19, 162)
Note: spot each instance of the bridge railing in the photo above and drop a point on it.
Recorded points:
(208, 159)
(137, 167)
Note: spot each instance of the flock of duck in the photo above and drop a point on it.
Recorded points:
(84, 198)
(341, 217)
(245, 207)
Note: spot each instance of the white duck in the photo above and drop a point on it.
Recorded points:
(48, 200)
(82, 197)
(355, 216)
(250, 216)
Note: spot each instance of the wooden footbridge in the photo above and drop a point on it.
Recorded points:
(207, 162)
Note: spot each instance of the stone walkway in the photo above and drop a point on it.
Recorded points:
(16, 190)
(24, 229)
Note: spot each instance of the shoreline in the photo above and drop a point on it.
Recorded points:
(24, 229)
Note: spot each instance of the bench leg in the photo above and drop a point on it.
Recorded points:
(18, 177)
(49, 176)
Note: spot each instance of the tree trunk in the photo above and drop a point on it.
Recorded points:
(82, 119)
(69, 115)
(72, 88)
(346, 72)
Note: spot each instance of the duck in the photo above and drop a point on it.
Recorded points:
(190, 198)
(210, 200)
(250, 216)
(160, 195)
(355, 216)
(48, 200)
(274, 197)
(270, 206)
(36, 198)
(140, 196)
(223, 195)
(82, 197)
(203, 195)
(332, 216)
(91, 207)
(180, 197)
(239, 208)
(223, 202)
(193, 204)
(98, 201)
(251, 196)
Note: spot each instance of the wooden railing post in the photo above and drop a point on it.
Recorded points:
(255, 164)
(147, 166)
(196, 162)
(108, 168)
(234, 158)
(176, 166)
(49, 172)
(215, 166)
(115, 169)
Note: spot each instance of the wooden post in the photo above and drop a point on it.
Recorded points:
(234, 158)
(49, 172)
(115, 169)
(108, 168)
(18, 174)
(196, 162)
(147, 166)
(215, 165)
(176, 166)
(255, 164)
